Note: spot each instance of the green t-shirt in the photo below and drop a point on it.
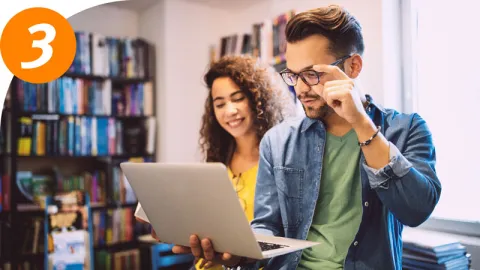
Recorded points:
(339, 206)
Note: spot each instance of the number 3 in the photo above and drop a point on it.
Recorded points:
(44, 44)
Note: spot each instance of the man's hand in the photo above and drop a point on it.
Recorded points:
(340, 94)
(204, 249)
(201, 249)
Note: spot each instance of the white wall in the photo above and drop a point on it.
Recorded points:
(151, 28)
(449, 102)
(107, 20)
(182, 32)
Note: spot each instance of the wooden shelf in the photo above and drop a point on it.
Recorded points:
(147, 238)
(33, 208)
(56, 116)
(117, 80)
(84, 76)
(83, 157)
(118, 245)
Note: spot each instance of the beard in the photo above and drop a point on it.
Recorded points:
(318, 113)
(314, 112)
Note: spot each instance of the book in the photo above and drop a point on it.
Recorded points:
(431, 250)
(69, 232)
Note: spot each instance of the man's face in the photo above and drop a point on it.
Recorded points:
(302, 55)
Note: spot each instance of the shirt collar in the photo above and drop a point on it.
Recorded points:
(371, 104)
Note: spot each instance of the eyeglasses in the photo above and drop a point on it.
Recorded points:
(239, 187)
(310, 77)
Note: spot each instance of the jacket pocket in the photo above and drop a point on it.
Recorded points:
(289, 183)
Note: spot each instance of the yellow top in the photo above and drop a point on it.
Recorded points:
(244, 185)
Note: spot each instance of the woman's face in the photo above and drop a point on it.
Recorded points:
(231, 107)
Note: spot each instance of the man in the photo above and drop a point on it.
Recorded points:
(351, 174)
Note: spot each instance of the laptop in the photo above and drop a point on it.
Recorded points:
(179, 200)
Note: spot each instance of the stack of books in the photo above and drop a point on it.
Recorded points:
(430, 250)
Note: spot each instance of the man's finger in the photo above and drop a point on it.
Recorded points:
(333, 71)
(324, 68)
(208, 265)
(202, 264)
(208, 251)
(229, 259)
(226, 256)
(195, 246)
(335, 97)
(181, 250)
(339, 82)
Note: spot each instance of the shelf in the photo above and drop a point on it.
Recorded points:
(33, 208)
(118, 246)
(117, 80)
(84, 157)
(84, 76)
(147, 238)
(38, 255)
(120, 80)
(56, 116)
(115, 205)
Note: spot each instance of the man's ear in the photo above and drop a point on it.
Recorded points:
(353, 66)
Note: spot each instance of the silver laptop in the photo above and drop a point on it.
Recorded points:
(198, 198)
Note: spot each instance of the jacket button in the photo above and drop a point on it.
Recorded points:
(366, 204)
(355, 243)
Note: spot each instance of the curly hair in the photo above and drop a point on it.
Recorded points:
(269, 101)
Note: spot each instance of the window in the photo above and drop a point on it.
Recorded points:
(441, 43)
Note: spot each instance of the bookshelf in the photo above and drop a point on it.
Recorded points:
(266, 41)
(72, 134)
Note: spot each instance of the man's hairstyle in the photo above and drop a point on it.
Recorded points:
(333, 22)
(270, 102)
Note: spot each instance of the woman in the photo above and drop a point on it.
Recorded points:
(244, 101)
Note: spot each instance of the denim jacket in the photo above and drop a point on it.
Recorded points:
(404, 192)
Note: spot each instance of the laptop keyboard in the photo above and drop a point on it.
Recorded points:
(269, 246)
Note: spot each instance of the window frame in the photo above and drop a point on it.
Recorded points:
(408, 24)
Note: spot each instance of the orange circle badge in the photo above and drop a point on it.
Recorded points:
(38, 45)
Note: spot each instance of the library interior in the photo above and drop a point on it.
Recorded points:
(136, 92)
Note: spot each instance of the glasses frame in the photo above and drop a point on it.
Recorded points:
(318, 74)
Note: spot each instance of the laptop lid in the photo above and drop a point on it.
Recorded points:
(181, 199)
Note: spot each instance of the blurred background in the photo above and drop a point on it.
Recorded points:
(135, 93)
